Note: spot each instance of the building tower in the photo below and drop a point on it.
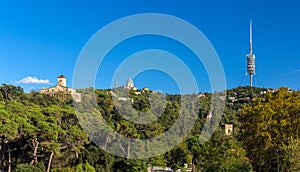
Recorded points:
(130, 83)
(62, 81)
(251, 59)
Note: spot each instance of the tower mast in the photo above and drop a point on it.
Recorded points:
(251, 59)
(251, 37)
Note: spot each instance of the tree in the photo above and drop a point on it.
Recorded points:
(30, 168)
(10, 92)
(86, 167)
(267, 125)
(291, 155)
(97, 157)
(220, 153)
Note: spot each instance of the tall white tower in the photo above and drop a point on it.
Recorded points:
(62, 81)
(251, 59)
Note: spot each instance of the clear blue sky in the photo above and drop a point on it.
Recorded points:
(44, 38)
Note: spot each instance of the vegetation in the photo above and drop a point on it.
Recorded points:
(271, 128)
(42, 133)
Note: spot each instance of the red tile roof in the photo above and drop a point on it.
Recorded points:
(61, 76)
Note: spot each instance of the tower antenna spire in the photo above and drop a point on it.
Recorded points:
(251, 37)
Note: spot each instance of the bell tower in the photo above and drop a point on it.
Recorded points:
(62, 81)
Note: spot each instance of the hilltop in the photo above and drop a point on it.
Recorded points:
(42, 132)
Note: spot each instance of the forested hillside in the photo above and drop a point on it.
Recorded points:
(42, 133)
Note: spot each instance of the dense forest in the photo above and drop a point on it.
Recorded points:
(43, 133)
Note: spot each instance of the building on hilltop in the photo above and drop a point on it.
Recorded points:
(60, 88)
(130, 84)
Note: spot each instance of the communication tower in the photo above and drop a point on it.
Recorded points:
(251, 59)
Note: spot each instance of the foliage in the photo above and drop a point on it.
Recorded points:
(43, 133)
(267, 125)
(291, 155)
(220, 153)
(30, 168)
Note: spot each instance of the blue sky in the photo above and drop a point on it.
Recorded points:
(43, 39)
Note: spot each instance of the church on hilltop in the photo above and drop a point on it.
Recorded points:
(130, 84)
(61, 87)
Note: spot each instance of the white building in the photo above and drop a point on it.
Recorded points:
(130, 84)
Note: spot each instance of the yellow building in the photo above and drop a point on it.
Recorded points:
(61, 87)
(228, 129)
